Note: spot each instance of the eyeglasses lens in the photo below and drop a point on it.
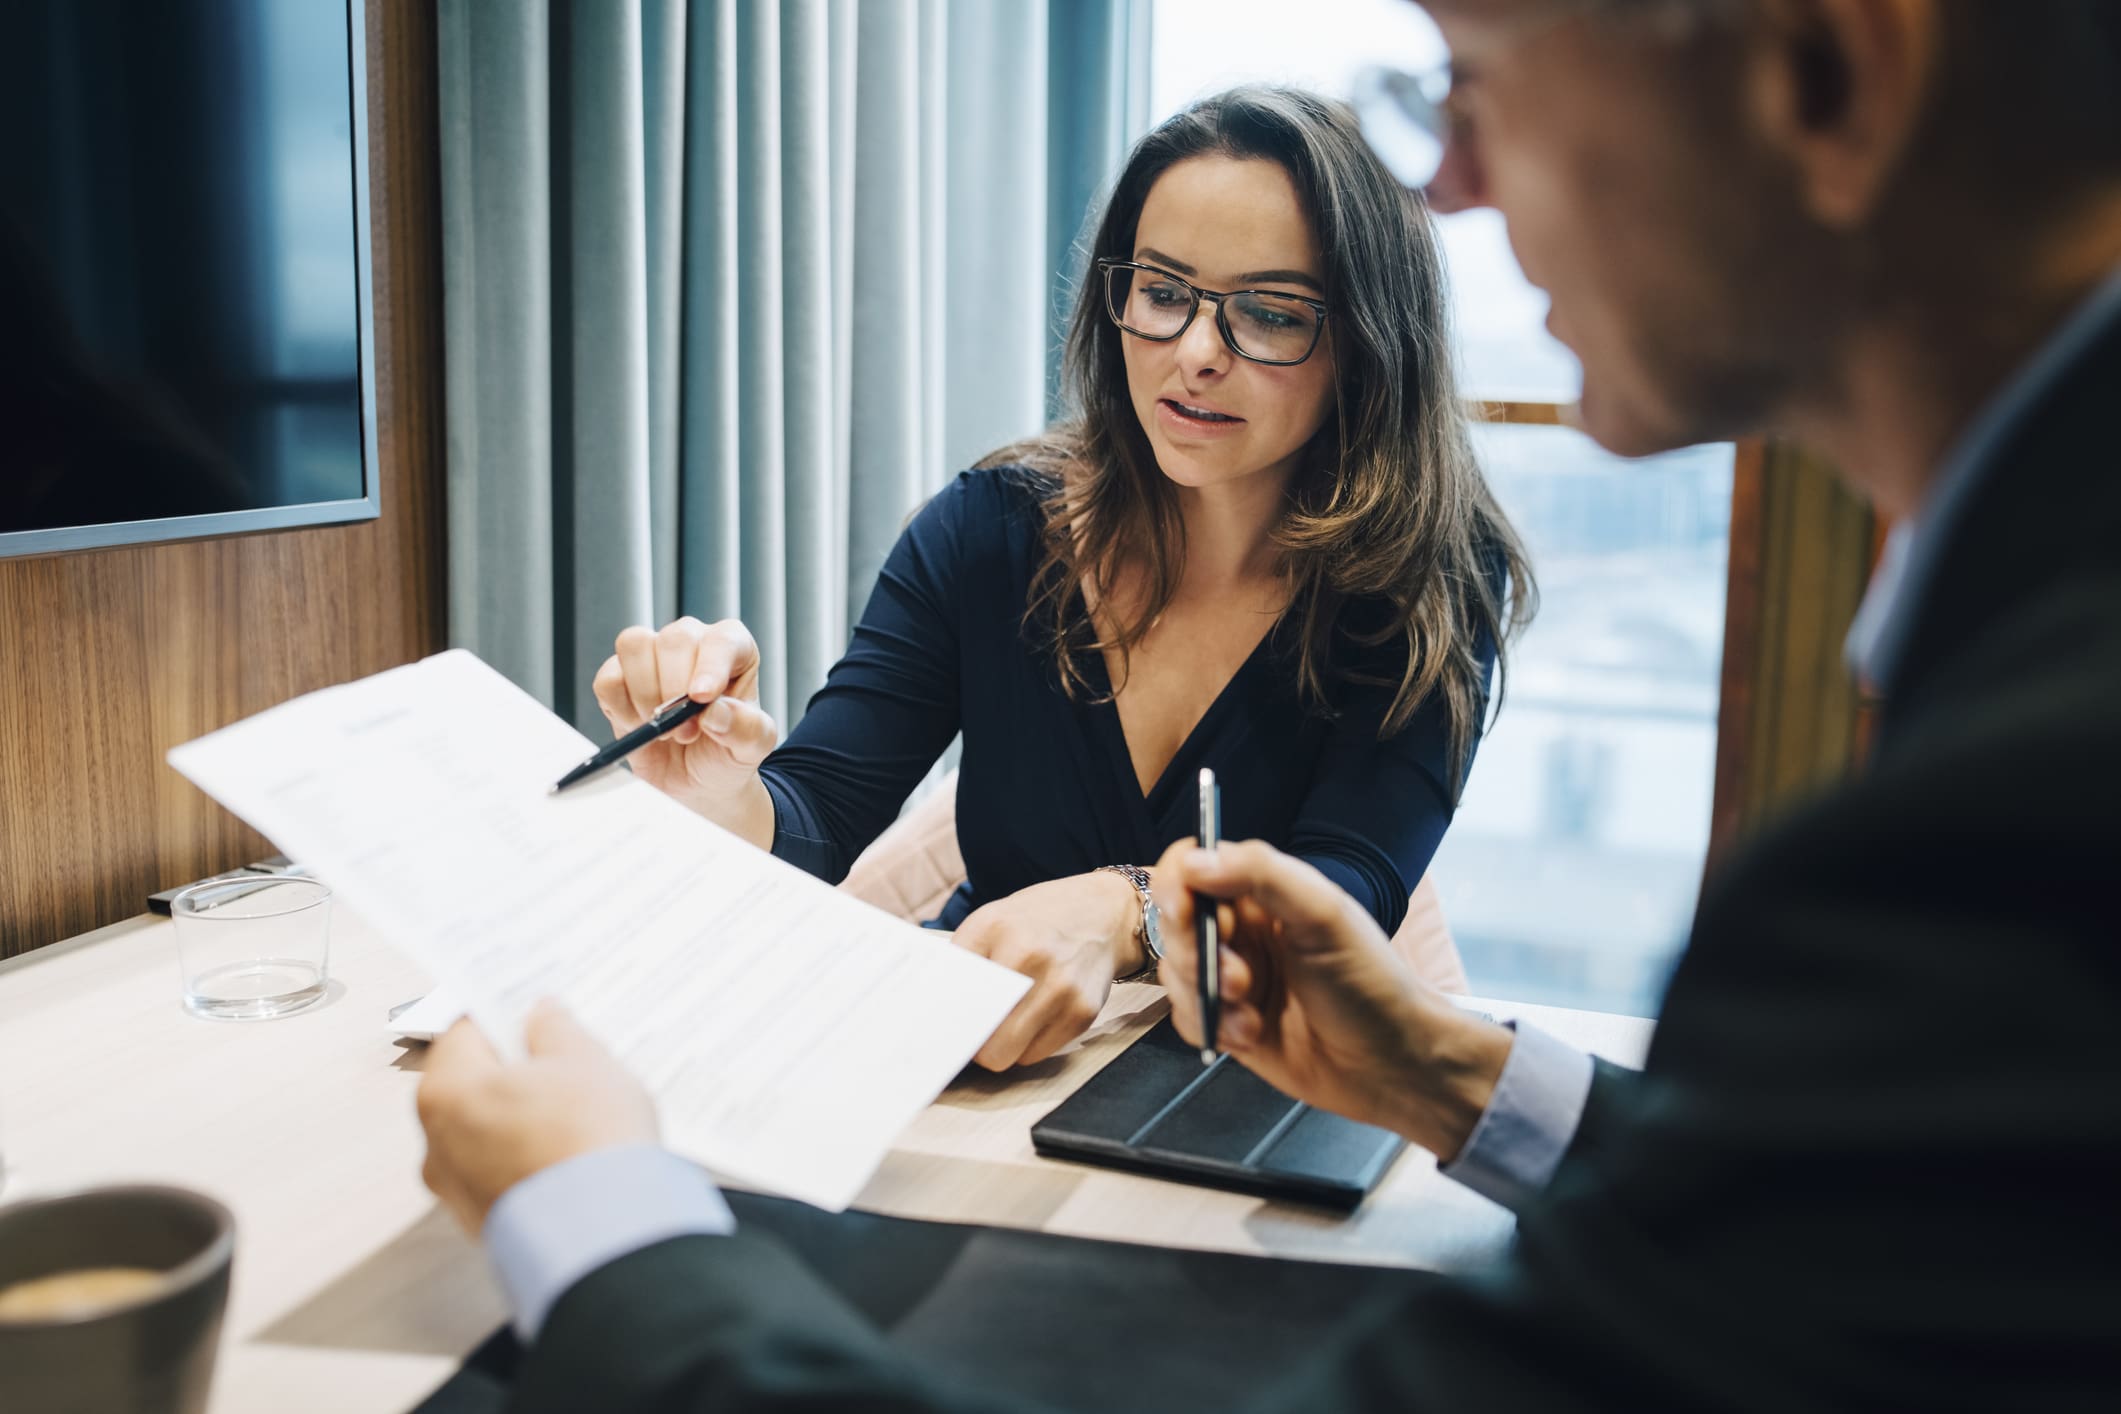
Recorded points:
(1146, 304)
(1268, 327)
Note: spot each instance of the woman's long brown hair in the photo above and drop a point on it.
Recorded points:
(1389, 534)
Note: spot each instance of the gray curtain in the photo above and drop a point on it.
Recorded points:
(731, 286)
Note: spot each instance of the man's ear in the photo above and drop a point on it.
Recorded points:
(1840, 89)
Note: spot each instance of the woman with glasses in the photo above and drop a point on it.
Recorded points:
(1259, 542)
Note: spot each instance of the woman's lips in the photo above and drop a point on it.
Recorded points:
(1174, 415)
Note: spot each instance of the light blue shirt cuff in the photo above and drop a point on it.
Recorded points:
(1530, 1119)
(562, 1223)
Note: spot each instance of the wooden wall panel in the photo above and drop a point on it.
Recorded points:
(1801, 551)
(110, 657)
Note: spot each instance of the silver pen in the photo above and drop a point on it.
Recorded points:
(1207, 925)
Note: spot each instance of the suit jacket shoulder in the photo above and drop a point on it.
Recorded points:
(720, 1324)
(1871, 1158)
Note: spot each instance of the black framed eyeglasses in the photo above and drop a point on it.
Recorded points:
(1265, 326)
(1405, 120)
(1407, 116)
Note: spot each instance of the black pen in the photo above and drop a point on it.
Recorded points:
(1207, 926)
(668, 718)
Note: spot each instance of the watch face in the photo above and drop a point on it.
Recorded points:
(1152, 929)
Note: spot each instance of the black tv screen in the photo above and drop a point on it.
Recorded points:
(184, 333)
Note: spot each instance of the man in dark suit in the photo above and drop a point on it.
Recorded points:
(1875, 1157)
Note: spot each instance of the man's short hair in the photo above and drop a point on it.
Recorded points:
(2049, 71)
(2037, 83)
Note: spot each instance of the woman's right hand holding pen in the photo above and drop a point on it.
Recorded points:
(1316, 1001)
(711, 763)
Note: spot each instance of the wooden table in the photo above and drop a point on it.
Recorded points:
(353, 1291)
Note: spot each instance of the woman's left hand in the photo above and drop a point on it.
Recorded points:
(1071, 937)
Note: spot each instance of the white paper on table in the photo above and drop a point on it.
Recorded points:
(425, 1017)
(788, 1031)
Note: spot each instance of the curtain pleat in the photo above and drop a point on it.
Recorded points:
(1104, 48)
(932, 89)
(888, 459)
(843, 28)
(731, 286)
(497, 311)
(994, 228)
(814, 631)
(607, 472)
(709, 536)
(762, 442)
(663, 29)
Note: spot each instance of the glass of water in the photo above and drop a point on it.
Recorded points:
(253, 948)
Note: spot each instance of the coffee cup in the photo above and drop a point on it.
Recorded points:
(111, 1300)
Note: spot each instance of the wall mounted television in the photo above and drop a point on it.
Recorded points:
(186, 338)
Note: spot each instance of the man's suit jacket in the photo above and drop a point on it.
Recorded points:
(1874, 1159)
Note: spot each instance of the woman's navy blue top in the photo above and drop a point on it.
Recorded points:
(1046, 788)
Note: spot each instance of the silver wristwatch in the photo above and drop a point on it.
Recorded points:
(1150, 932)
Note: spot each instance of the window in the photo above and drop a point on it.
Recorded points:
(1570, 873)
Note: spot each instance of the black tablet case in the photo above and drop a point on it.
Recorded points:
(1156, 1109)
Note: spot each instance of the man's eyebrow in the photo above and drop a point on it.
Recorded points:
(1254, 277)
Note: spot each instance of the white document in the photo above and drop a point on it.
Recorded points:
(425, 1018)
(788, 1031)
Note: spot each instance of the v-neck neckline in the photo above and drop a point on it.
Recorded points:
(1155, 801)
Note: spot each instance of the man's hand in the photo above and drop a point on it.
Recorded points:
(1316, 1002)
(1071, 937)
(491, 1123)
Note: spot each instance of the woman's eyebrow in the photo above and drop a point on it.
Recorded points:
(1280, 277)
(1255, 277)
(1176, 266)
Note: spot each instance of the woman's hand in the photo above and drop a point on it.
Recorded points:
(710, 763)
(1317, 1003)
(1071, 937)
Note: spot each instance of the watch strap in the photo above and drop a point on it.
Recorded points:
(1139, 877)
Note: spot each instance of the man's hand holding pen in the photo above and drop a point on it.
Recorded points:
(1316, 1001)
